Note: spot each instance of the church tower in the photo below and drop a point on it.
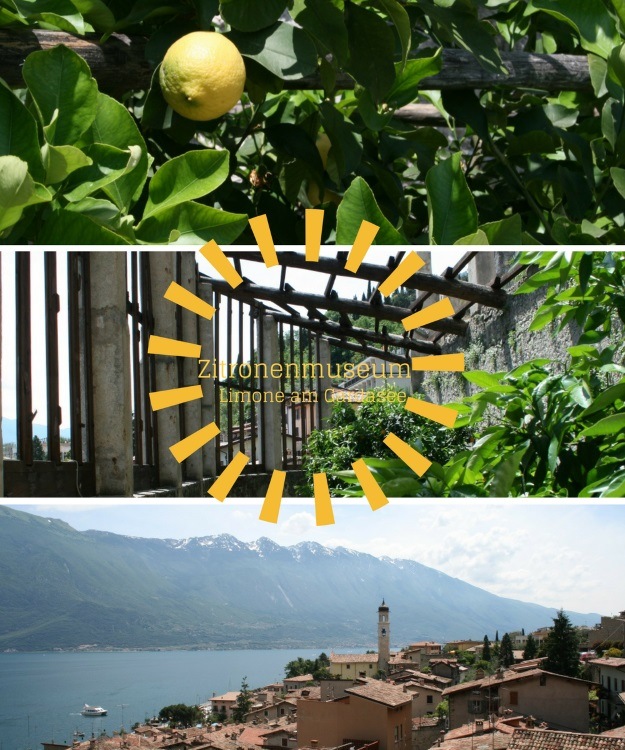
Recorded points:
(384, 637)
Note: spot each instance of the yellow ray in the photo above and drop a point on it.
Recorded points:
(224, 483)
(373, 492)
(215, 256)
(362, 243)
(264, 240)
(323, 502)
(439, 363)
(183, 449)
(418, 463)
(314, 227)
(439, 310)
(173, 347)
(183, 297)
(271, 506)
(407, 268)
(174, 396)
(441, 414)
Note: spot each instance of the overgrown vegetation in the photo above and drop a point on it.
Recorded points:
(513, 166)
(547, 428)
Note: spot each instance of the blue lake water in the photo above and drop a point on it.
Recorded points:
(41, 695)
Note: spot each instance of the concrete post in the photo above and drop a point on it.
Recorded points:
(110, 368)
(162, 273)
(272, 428)
(485, 266)
(325, 383)
(193, 409)
(209, 459)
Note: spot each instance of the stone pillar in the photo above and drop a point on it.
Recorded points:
(110, 368)
(209, 460)
(272, 429)
(192, 409)
(162, 273)
(325, 407)
(486, 265)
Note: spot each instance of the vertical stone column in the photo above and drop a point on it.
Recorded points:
(209, 460)
(485, 266)
(325, 383)
(162, 273)
(272, 428)
(193, 409)
(110, 368)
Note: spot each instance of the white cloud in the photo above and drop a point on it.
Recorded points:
(298, 524)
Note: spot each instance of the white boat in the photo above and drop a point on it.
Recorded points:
(93, 711)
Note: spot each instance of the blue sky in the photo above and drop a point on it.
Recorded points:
(567, 555)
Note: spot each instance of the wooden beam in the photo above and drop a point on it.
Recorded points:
(460, 69)
(330, 328)
(307, 300)
(424, 282)
(369, 351)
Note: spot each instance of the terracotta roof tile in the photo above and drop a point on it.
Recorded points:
(541, 739)
(381, 692)
(353, 658)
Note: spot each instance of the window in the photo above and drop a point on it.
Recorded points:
(266, 713)
(284, 742)
(543, 680)
(347, 666)
(514, 698)
(476, 706)
(430, 699)
(281, 712)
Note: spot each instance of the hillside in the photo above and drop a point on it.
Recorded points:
(61, 588)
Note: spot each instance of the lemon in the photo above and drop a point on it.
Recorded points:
(324, 144)
(202, 75)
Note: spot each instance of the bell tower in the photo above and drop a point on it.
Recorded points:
(384, 637)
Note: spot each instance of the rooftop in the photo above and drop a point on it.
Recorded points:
(507, 677)
(381, 692)
(541, 739)
(609, 661)
(353, 658)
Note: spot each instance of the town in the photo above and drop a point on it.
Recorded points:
(557, 688)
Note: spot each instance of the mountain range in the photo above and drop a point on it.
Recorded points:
(62, 588)
(9, 430)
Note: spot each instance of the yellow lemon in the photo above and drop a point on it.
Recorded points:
(324, 144)
(202, 75)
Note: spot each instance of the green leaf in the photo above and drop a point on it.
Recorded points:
(465, 107)
(65, 227)
(608, 426)
(398, 15)
(463, 26)
(451, 207)
(346, 153)
(605, 399)
(18, 190)
(97, 13)
(618, 178)
(619, 7)
(61, 161)
(285, 50)
(505, 473)
(18, 133)
(191, 223)
(359, 204)
(114, 126)
(250, 15)
(107, 165)
(402, 487)
(295, 142)
(325, 21)
(61, 84)
(504, 232)
(590, 18)
(370, 51)
(186, 177)
(477, 238)
(483, 379)
(407, 80)
(60, 14)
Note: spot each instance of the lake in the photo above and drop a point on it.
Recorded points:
(42, 694)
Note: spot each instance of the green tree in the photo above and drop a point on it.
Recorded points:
(244, 703)
(38, 452)
(486, 650)
(562, 647)
(506, 654)
(180, 714)
(531, 648)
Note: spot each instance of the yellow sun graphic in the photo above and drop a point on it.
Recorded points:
(410, 264)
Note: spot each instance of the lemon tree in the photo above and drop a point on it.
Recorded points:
(295, 103)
